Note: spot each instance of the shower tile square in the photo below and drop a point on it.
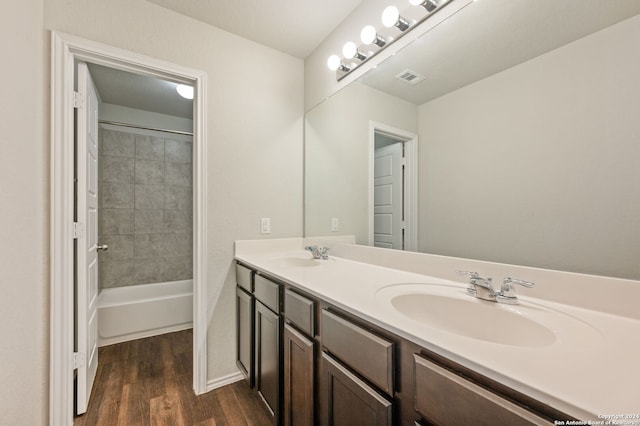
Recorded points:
(120, 248)
(118, 144)
(149, 246)
(177, 151)
(116, 169)
(116, 274)
(178, 198)
(116, 195)
(178, 221)
(149, 270)
(149, 196)
(116, 221)
(178, 174)
(177, 245)
(149, 172)
(149, 148)
(178, 268)
(149, 222)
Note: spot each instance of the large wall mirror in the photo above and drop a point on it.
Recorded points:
(520, 143)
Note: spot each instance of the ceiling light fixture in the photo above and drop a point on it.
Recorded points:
(335, 63)
(350, 51)
(185, 91)
(369, 36)
(391, 18)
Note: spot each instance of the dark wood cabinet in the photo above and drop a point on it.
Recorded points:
(244, 335)
(268, 361)
(299, 380)
(445, 398)
(349, 401)
(330, 367)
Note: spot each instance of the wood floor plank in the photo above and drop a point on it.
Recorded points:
(149, 382)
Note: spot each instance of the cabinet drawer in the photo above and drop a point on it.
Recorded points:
(363, 351)
(243, 277)
(443, 397)
(267, 292)
(299, 311)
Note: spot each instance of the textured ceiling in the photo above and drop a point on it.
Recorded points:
(295, 27)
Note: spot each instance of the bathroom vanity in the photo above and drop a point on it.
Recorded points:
(344, 339)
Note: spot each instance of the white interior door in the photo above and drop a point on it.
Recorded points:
(388, 221)
(87, 238)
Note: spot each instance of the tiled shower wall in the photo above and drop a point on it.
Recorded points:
(145, 209)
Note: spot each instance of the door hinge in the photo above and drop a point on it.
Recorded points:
(78, 100)
(78, 230)
(79, 360)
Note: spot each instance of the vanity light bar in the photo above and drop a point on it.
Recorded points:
(391, 18)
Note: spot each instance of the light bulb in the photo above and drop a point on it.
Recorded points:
(349, 50)
(334, 62)
(185, 91)
(390, 16)
(368, 34)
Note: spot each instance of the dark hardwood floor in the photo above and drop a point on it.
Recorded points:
(149, 382)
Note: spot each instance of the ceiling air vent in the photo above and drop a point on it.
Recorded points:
(410, 77)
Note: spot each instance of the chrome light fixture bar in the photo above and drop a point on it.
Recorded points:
(429, 5)
(391, 18)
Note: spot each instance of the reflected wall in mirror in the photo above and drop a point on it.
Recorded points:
(528, 137)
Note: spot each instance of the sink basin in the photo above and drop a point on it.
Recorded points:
(450, 309)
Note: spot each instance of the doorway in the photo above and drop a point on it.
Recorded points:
(67, 52)
(392, 188)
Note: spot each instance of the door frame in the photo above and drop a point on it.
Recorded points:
(65, 50)
(411, 180)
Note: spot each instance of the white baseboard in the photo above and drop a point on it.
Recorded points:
(142, 334)
(224, 380)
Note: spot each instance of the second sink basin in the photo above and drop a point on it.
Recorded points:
(452, 310)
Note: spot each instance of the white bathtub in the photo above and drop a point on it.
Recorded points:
(135, 312)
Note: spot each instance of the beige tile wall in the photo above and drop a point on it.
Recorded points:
(145, 209)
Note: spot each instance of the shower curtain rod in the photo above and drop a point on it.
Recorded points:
(135, 126)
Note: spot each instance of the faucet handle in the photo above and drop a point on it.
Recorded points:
(469, 274)
(324, 252)
(508, 292)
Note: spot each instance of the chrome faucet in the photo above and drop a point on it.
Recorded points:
(479, 287)
(483, 289)
(508, 292)
(318, 252)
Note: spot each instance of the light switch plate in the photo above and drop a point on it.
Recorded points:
(335, 224)
(265, 225)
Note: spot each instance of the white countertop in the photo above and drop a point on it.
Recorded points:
(587, 380)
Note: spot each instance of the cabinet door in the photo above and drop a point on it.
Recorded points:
(268, 335)
(349, 401)
(444, 398)
(244, 333)
(298, 378)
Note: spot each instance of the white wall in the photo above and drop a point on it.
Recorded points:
(24, 192)
(122, 114)
(254, 165)
(337, 141)
(557, 136)
(255, 104)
